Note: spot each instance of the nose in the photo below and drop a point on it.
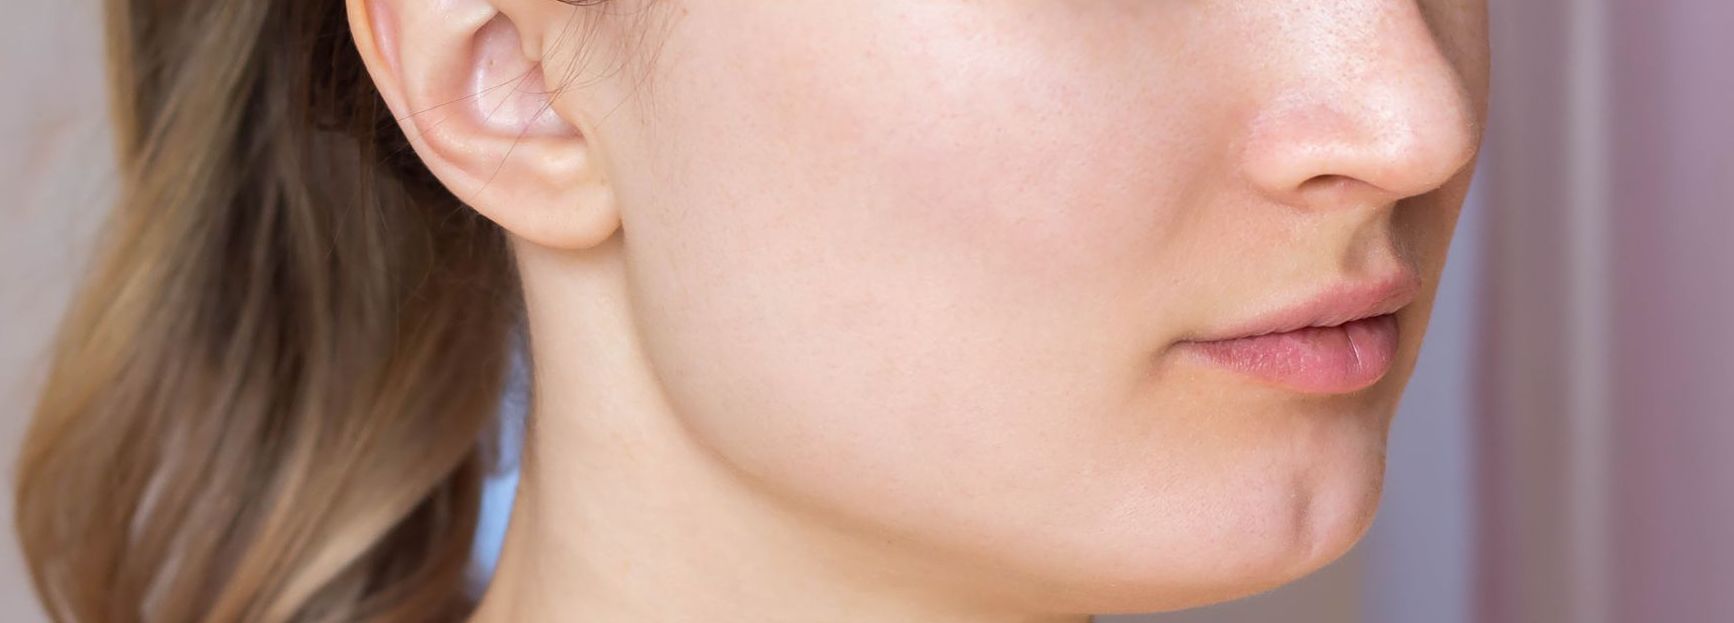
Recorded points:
(1362, 108)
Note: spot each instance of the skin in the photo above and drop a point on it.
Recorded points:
(865, 310)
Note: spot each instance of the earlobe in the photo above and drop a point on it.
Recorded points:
(469, 93)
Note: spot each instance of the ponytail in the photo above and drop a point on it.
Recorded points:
(270, 400)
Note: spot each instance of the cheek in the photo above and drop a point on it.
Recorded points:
(902, 275)
(911, 252)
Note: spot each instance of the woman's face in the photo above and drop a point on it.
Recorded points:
(936, 268)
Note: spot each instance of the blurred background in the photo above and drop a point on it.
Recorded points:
(1566, 451)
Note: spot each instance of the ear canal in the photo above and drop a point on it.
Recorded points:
(512, 95)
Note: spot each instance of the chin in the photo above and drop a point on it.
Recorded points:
(1241, 567)
(1251, 538)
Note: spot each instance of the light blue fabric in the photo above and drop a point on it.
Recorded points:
(497, 496)
(501, 487)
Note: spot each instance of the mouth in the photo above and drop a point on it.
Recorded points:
(1340, 340)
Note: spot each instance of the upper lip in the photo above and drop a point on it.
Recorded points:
(1333, 305)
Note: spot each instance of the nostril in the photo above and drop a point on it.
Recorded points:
(1332, 191)
(1328, 184)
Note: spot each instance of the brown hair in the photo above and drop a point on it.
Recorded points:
(273, 398)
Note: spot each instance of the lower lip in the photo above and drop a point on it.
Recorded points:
(1315, 360)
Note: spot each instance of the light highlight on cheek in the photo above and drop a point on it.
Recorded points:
(965, 234)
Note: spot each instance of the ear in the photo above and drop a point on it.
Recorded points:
(467, 86)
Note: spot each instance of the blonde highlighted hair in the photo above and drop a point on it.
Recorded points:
(273, 398)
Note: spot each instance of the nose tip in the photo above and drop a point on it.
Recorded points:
(1385, 119)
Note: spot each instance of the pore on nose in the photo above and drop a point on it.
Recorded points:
(1375, 114)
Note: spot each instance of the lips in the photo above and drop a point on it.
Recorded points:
(1341, 340)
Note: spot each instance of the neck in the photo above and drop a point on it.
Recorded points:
(621, 515)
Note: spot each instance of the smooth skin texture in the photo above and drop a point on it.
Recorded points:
(867, 310)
